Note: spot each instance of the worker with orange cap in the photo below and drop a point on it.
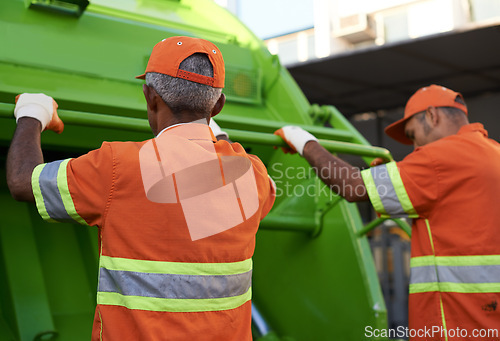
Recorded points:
(449, 185)
(177, 214)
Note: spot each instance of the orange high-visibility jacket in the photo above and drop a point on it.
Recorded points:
(177, 218)
(451, 188)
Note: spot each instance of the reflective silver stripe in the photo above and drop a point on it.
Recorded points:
(50, 192)
(423, 274)
(131, 283)
(470, 274)
(456, 274)
(387, 192)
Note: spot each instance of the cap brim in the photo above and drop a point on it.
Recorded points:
(396, 130)
(143, 76)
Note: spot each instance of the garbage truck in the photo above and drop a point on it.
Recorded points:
(314, 276)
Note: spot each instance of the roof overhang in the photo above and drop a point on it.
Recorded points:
(384, 77)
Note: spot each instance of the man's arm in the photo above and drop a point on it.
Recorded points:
(34, 113)
(341, 177)
(25, 153)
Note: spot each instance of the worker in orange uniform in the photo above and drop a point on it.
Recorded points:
(177, 214)
(449, 185)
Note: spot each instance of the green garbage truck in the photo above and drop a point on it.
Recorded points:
(314, 276)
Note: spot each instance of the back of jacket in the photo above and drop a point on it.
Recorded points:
(454, 184)
(177, 216)
(450, 187)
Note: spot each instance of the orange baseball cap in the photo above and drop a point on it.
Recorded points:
(429, 96)
(169, 53)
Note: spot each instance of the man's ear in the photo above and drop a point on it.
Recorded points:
(432, 116)
(151, 97)
(219, 105)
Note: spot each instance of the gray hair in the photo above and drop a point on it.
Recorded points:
(455, 114)
(183, 95)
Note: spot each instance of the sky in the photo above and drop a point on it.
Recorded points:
(270, 18)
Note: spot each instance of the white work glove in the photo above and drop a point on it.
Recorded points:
(216, 129)
(40, 107)
(295, 137)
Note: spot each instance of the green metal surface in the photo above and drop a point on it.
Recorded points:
(371, 225)
(251, 137)
(314, 276)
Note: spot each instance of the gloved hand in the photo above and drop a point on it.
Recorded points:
(295, 137)
(216, 129)
(378, 161)
(40, 107)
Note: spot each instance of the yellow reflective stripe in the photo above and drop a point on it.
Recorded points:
(371, 188)
(175, 268)
(422, 261)
(435, 286)
(423, 287)
(62, 185)
(468, 260)
(397, 182)
(37, 193)
(442, 316)
(455, 287)
(455, 260)
(430, 235)
(470, 287)
(172, 304)
(100, 321)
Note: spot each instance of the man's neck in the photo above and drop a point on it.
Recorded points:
(198, 121)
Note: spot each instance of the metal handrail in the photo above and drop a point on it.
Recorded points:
(141, 125)
(269, 126)
(376, 222)
(253, 124)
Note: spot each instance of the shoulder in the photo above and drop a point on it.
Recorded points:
(123, 145)
(256, 161)
(443, 150)
(107, 154)
(119, 149)
(235, 149)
